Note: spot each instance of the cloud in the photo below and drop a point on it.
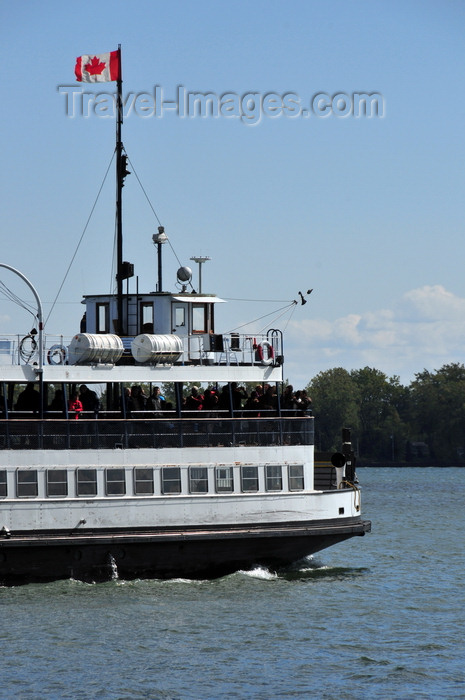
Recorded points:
(424, 329)
(432, 303)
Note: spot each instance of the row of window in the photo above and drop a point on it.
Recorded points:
(143, 480)
(200, 316)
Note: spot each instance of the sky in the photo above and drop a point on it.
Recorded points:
(287, 190)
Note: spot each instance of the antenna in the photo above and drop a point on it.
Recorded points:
(158, 240)
(200, 259)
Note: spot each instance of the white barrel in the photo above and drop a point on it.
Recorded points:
(101, 348)
(156, 348)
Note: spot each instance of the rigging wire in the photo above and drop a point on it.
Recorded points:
(81, 238)
(283, 309)
(289, 319)
(274, 301)
(27, 306)
(292, 305)
(153, 210)
(276, 318)
(142, 188)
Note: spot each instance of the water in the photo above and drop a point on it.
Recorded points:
(376, 617)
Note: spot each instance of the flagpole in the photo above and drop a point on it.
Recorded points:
(119, 196)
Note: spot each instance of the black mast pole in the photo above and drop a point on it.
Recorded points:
(119, 196)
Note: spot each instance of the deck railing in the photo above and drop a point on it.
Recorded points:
(198, 348)
(104, 433)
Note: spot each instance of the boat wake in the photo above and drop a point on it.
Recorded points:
(259, 572)
(309, 568)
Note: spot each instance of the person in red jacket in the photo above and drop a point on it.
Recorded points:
(75, 405)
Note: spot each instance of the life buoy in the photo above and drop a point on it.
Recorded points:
(265, 352)
(57, 355)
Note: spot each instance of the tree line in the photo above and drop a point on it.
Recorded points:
(422, 423)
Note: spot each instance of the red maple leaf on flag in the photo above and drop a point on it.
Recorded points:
(95, 67)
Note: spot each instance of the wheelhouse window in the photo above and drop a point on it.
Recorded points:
(171, 480)
(179, 316)
(57, 482)
(296, 477)
(224, 479)
(146, 316)
(143, 481)
(115, 482)
(86, 482)
(103, 317)
(273, 477)
(26, 483)
(198, 480)
(199, 318)
(249, 479)
(3, 484)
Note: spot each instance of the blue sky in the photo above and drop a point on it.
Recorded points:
(369, 212)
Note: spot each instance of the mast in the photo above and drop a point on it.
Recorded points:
(119, 196)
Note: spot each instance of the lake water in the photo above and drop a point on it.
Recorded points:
(381, 616)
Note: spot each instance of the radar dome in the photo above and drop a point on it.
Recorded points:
(184, 274)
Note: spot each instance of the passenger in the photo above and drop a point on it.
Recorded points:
(75, 405)
(239, 394)
(210, 400)
(138, 398)
(29, 399)
(156, 402)
(306, 399)
(89, 399)
(127, 404)
(288, 403)
(194, 402)
(252, 406)
(303, 401)
(268, 402)
(58, 401)
(224, 403)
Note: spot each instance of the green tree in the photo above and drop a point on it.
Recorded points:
(438, 411)
(381, 403)
(334, 402)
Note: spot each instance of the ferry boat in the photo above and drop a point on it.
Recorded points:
(192, 482)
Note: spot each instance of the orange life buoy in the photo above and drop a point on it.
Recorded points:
(265, 352)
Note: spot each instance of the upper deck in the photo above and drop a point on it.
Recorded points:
(198, 358)
(167, 337)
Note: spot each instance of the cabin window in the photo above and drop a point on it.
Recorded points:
(273, 477)
(146, 317)
(296, 477)
(143, 481)
(199, 318)
(103, 318)
(57, 482)
(26, 483)
(198, 479)
(171, 480)
(86, 482)
(224, 479)
(179, 316)
(115, 482)
(3, 488)
(249, 479)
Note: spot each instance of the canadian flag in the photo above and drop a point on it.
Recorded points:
(101, 68)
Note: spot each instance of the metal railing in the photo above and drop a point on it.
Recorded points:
(103, 433)
(200, 348)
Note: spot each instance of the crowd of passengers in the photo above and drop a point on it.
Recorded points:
(262, 401)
